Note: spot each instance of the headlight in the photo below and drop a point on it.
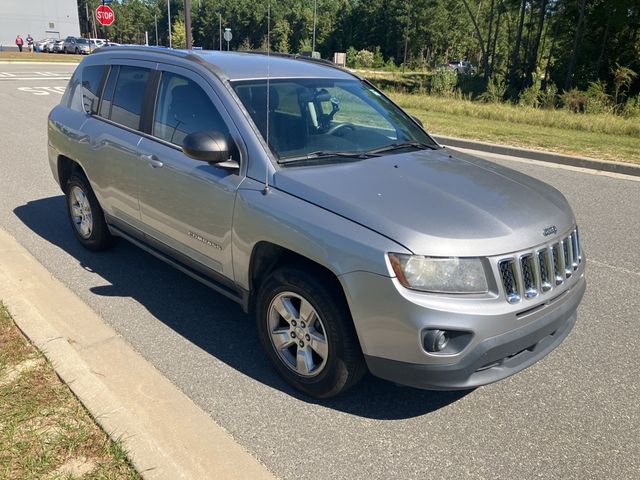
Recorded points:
(439, 275)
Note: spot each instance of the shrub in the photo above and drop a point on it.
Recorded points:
(598, 101)
(351, 57)
(632, 107)
(574, 100)
(378, 59)
(390, 65)
(443, 82)
(530, 96)
(364, 59)
(495, 92)
(549, 97)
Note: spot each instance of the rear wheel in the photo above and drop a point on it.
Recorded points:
(306, 330)
(85, 214)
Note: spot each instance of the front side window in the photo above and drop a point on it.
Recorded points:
(128, 96)
(183, 108)
(318, 117)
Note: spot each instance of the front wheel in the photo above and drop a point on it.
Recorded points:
(306, 330)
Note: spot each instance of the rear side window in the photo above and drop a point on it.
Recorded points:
(128, 96)
(83, 91)
(184, 108)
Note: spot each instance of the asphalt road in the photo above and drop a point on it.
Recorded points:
(576, 414)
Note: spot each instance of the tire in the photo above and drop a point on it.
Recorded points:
(325, 368)
(85, 214)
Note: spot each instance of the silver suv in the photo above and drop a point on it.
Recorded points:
(303, 193)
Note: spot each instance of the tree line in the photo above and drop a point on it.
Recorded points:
(520, 43)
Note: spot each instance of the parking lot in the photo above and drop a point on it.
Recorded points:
(575, 414)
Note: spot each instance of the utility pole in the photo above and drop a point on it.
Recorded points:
(187, 23)
(169, 19)
(155, 18)
(220, 18)
(313, 43)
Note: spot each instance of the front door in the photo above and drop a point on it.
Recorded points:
(185, 204)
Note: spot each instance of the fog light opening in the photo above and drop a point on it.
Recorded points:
(435, 340)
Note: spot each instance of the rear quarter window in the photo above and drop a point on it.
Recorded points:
(83, 91)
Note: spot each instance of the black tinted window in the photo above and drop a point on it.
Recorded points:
(183, 108)
(129, 95)
(91, 78)
(107, 94)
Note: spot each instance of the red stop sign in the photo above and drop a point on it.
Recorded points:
(105, 15)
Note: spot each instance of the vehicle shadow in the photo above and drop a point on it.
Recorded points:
(199, 315)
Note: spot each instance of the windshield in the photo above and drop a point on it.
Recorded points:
(320, 117)
(82, 40)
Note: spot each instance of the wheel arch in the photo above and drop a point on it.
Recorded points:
(67, 167)
(267, 257)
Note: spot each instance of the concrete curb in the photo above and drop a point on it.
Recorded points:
(581, 162)
(165, 434)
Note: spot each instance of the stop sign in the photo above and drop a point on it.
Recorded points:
(105, 15)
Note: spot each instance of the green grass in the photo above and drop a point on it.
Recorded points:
(45, 432)
(603, 136)
(39, 57)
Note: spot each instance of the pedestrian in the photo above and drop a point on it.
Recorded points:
(19, 42)
(30, 42)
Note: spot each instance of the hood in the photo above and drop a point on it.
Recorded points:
(435, 202)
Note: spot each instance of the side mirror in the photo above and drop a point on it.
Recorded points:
(418, 121)
(208, 146)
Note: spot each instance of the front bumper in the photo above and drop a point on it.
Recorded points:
(505, 339)
(493, 358)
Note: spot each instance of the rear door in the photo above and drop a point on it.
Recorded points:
(114, 133)
(187, 205)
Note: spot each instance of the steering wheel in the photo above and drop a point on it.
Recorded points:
(339, 127)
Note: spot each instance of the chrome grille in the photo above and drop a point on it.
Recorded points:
(528, 274)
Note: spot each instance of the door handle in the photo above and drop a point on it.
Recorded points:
(152, 160)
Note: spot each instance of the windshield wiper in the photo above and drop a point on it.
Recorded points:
(398, 146)
(321, 154)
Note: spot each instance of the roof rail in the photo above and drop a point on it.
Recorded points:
(293, 56)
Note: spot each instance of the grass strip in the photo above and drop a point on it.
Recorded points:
(39, 57)
(45, 432)
(598, 136)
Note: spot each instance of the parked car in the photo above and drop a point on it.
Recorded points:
(43, 45)
(57, 47)
(77, 45)
(307, 196)
(98, 42)
(460, 66)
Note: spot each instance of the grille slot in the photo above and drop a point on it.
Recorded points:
(558, 263)
(533, 273)
(509, 275)
(545, 270)
(529, 282)
(568, 256)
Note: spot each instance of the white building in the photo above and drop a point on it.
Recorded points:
(40, 18)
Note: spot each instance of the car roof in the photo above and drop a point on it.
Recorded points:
(247, 65)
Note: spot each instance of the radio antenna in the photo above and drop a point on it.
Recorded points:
(266, 172)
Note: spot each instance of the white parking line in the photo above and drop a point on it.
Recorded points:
(42, 90)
